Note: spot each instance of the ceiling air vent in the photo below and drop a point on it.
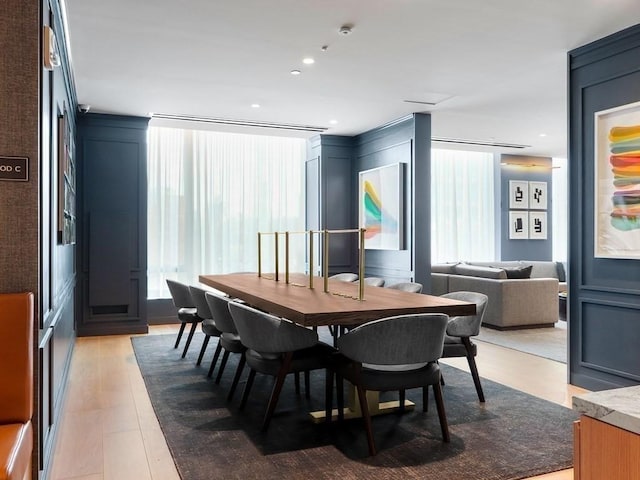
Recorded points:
(482, 143)
(239, 123)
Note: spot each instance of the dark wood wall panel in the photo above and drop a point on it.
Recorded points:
(113, 221)
(604, 293)
(332, 193)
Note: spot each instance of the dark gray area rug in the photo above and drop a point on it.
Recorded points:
(512, 436)
(546, 342)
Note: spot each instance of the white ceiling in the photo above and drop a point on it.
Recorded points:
(497, 68)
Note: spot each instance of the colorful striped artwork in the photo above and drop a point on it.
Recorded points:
(381, 199)
(375, 217)
(617, 182)
(624, 145)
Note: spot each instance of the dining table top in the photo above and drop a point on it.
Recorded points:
(339, 306)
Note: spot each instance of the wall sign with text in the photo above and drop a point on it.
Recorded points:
(14, 169)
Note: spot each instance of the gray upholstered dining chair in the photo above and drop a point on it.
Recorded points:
(187, 311)
(457, 342)
(411, 287)
(208, 326)
(229, 339)
(374, 281)
(345, 277)
(276, 347)
(394, 353)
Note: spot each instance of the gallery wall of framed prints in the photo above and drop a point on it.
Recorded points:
(527, 210)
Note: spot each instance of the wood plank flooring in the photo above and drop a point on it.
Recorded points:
(108, 429)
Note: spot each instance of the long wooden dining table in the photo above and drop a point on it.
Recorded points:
(313, 307)
(340, 306)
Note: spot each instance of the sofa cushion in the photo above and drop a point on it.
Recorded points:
(483, 272)
(542, 269)
(518, 272)
(16, 445)
(444, 267)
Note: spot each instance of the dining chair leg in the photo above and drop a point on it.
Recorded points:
(204, 347)
(340, 397)
(362, 397)
(425, 399)
(214, 360)
(307, 384)
(236, 377)
(401, 398)
(328, 396)
(277, 388)
(296, 381)
(223, 363)
(180, 332)
(191, 332)
(473, 367)
(444, 426)
(247, 388)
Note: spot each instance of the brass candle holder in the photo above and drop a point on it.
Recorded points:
(325, 266)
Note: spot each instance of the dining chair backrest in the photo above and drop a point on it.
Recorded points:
(411, 287)
(200, 302)
(219, 307)
(405, 339)
(180, 294)
(467, 326)
(267, 333)
(345, 277)
(374, 281)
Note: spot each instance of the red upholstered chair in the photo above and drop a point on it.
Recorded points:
(16, 378)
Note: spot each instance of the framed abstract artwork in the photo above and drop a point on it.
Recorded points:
(518, 225)
(538, 195)
(381, 202)
(538, 225)
(617, 182)
(518, 194)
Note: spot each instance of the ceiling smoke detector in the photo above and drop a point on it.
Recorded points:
(345, 29)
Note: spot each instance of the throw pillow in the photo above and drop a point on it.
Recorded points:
(518, 272)
(443, 267)
(484, 272)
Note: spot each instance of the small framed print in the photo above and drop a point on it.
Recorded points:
(518, 194)
(538, 195)
(518, 225)
(538, 225)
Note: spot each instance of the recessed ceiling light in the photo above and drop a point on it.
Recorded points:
(295, 72)
(255, 105)
(333, 122)
(543, 134)
(308, 61)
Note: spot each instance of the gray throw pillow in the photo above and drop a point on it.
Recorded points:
(518, 272)
(484, 272)
(443, 267)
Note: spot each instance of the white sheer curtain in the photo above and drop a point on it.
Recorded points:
(209, 194)
(559, 212)
(462, 206)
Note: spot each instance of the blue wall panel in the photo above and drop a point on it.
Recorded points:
(604, 293)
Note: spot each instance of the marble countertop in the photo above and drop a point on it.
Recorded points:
(619, 407)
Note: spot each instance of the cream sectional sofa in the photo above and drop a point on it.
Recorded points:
(513, 302)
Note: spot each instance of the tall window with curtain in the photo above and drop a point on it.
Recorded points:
(210, 193)
(560, 219)
(462, 206)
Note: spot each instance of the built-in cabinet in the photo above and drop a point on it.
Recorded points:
(604, 451)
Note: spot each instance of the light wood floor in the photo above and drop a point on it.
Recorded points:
(108, 429)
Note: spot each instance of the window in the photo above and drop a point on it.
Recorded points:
(209, 193)
(559, 213)
(462, 206)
